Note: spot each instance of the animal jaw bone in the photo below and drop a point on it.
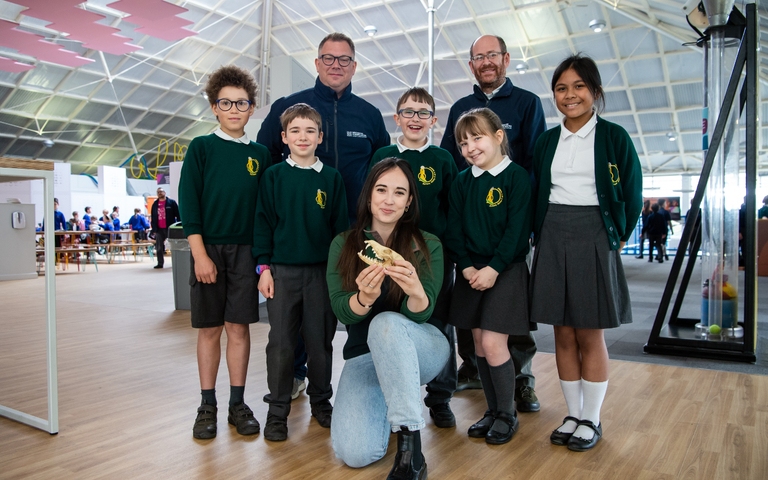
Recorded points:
(384, 256)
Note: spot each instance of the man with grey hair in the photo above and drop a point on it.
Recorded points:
(165, 212)
(522, 116)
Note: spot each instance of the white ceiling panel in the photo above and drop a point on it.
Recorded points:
(540, 23)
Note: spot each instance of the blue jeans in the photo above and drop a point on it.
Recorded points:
(381, 391)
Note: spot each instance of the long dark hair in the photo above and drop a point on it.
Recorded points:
(586, 68)
(646, 207)
(405, 233)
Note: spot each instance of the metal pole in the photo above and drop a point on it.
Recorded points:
(431, 54)
(266, 28)
(750, 238)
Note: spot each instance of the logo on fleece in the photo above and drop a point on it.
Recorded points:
(614, 173)
(494, 197)
(253, 166)
(424, 177)
(320, 198)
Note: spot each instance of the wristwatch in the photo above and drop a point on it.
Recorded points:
(261, 269)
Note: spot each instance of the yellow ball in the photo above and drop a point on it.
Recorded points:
(714, 329)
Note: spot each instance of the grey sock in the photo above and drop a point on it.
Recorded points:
(484, 372)
(503, 378)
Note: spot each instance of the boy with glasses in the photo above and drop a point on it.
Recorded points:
(435, 171)
(221, 173)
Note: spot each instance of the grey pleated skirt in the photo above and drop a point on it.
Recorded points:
(577, 280)
(502, 308)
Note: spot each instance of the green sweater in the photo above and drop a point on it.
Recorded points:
(431, 276)
(218, 186)
(618, 179)
(298, 213)
(435, 171)
(490, 218)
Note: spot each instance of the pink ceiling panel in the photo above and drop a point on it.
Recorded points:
(8, 65)
(34, 45)
(80, 24)
(156, 18)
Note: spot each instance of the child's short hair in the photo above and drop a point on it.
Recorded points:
(230, 76)
(586, 68)
(480, 121)
(655, 207)
(418, 94)
(301, 110)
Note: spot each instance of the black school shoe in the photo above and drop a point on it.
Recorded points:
(241, 416)
(480, 428)
(323, 412)
(205, 423)
(276, 428)
(497, 437)
(561, 438)
(442, 415)
(577, 444)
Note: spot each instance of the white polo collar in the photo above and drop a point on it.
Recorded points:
(583, 131)
(495, 171)
(225, 136)
(317, 166)
(401, 148)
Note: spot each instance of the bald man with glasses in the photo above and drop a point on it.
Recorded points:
(522, 116)
(353, 129)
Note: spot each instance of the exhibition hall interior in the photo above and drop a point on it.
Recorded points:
(100, 101)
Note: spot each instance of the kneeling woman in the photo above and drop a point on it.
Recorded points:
(394, 344)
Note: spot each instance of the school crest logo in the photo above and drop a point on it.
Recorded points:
(253, 166)
(426, 175)
(494, 197)
(320, 198)
(614, 173)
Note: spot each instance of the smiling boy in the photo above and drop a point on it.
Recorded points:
(435, 170)
(221, 173)
(301, 207)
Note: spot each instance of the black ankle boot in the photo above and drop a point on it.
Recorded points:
(408, 457)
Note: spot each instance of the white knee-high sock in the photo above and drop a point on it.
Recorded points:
(573, 398)
(594, 393)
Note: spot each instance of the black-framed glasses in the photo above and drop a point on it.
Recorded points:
(490, 56)
(344, 60)
(408, 113)
(225, 104)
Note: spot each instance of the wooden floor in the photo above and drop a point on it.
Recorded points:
(128, 391)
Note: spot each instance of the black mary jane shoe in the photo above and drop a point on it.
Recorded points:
(408, 448)
(561, 438)
(480, 429)
(578, 444)
(495, 437)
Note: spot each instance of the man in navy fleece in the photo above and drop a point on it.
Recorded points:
(522, 116)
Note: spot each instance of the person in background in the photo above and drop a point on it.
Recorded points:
(75, 223)
(59, 222)
(87, 219)
(668, 217)
(763, 212)
(105, 216)
(643, 237)
(165, 212)
(115, 221)
(655, 229)
(138, 224)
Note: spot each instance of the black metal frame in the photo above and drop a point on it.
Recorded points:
(673, 345)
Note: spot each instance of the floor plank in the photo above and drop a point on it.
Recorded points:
(128, 391)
